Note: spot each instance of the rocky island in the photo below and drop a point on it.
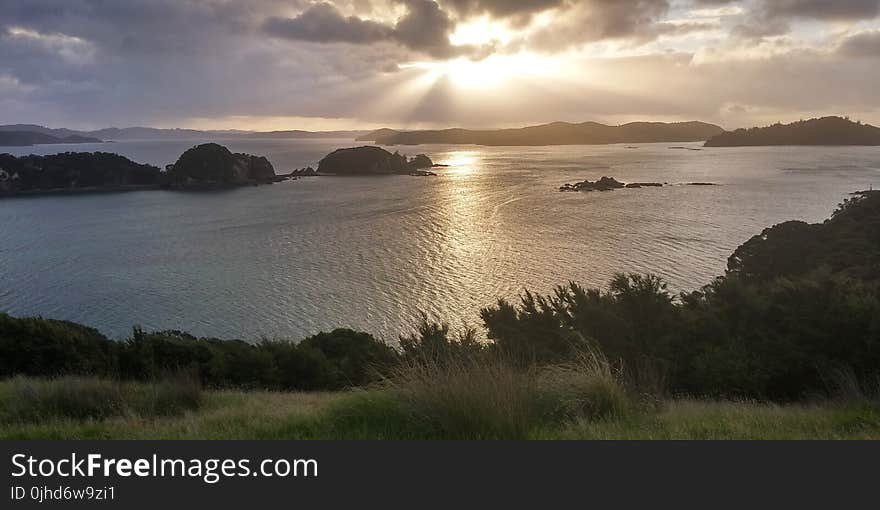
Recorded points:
(610, 183)
(603, 184)
(370, 160)
(823, 131)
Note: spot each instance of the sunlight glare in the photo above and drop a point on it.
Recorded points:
(480, 31)
(489, 72)
(462, 163)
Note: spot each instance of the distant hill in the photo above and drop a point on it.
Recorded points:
(823, 131)
(27, 138)
(146, 133)
(556, 133)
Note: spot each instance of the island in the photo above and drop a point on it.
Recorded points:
(74, 171)
(821, 131)
(212, 165)
(610, 183)
(28, 138)
(603, 184)
(371, 160)
(205, 166)
(556, 133)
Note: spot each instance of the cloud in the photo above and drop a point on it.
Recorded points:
(865, 44)
(324, 23)
(424, 28)
(92, 63)
(758, 29)
(69, 48)
(597, 20)
(521, 9)
(837, 10)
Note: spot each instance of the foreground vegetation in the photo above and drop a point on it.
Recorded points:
(380, 414)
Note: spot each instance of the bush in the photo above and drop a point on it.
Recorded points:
(36, 346)
(633, 321)
(777, 339)
(351, 358)
(432, 342)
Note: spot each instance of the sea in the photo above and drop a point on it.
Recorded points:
(373, 253)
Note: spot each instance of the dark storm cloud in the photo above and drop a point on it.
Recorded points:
(502, 8)
(324, 23)
(866, 44)
(844, 10)
(138, 26)
(424, 28)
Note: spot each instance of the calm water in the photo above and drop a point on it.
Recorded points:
(294, 258)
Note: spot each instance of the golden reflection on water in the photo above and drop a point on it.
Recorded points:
(462, 163)
(468, 222)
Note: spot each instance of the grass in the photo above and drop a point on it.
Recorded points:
(432, 402)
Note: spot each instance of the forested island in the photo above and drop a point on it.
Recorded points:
(370, 160)
(203, 166)
(821, 131)
(74, 171)
(556, 133)
(211, 164)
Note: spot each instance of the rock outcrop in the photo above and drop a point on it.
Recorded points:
(603, 184)
(610, 183)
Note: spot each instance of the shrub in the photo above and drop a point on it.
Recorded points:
(36, 346)
(352, 358)
(633, 321)
(432, 342)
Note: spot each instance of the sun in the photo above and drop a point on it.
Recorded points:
(490, 72)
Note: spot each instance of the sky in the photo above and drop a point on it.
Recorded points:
(359, 64)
